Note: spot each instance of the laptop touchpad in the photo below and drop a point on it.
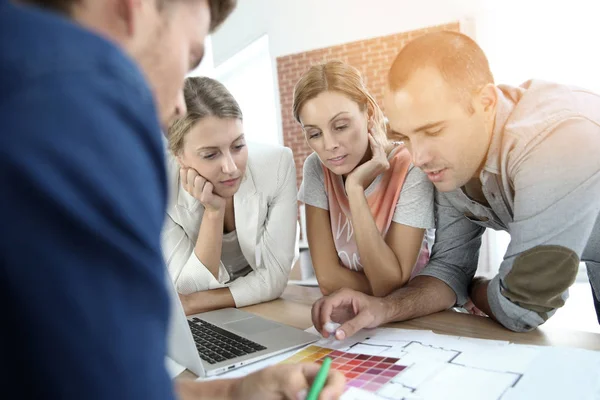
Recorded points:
(251, 326)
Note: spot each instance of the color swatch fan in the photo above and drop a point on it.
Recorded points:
(370, 373)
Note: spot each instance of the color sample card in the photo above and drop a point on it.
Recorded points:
(362, 371)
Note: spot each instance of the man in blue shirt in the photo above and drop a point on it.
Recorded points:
(83, 198)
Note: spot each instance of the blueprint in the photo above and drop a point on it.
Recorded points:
(450, 367)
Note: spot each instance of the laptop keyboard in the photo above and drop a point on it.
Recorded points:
(215, 344)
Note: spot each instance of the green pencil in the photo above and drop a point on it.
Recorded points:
(320, 380)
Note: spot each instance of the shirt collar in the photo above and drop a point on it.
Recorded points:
(504, 107)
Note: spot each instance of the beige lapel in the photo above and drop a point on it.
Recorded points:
(246, 203)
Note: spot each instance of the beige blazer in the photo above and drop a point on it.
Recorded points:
(266, 215)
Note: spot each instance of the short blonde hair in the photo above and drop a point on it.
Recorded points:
(343, 78)
(204, 97)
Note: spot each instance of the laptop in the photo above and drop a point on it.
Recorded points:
(217, 341)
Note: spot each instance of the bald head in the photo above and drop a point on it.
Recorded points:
(459, 60)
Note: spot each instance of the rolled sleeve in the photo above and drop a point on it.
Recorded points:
(187, 272)
(195, 277)
(509, 314)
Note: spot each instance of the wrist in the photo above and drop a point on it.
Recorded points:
(187, 301)
(384, 310)
(233, 391)
(213, 213)
(352, 188)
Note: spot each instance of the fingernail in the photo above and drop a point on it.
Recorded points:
(340, 334)
(301, 395)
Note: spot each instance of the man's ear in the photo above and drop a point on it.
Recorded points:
(126, 13)
(488, 99)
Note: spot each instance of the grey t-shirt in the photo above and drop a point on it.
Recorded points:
(414, 207)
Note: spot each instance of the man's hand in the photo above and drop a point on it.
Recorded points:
(354, 310)
(478, 303)
(290, 381)
(470, 307)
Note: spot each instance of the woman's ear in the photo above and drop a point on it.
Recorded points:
(180, 161)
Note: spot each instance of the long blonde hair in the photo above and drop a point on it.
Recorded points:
(204, 97)
(343, 78)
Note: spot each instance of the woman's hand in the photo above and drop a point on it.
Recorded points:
(363, 175)
(196, 185)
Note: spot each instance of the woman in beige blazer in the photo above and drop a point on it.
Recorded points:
(230, 235)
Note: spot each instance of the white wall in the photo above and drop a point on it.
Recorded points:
(295, 26)
(248, 75)
(548, 39)
(556, 40)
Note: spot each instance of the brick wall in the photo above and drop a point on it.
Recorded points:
(372, 57)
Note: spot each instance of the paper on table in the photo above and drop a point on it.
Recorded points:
(173, 368)
(399, 391)
(560, 373)
(475, 384)
(359, 394)
(418, 352)
(448, 367)
(512, 358)
(417, 374)
(370, 350)
(407, 335)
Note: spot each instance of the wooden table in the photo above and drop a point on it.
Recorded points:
(293, 308)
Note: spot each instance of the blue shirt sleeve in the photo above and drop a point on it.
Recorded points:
(82, 205)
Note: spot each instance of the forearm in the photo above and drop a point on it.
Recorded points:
(188, 389)
(207, 300)
(382, 267)
(210, 240)
(423, 295)
(340, 277)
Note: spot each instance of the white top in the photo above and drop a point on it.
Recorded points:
(266, 220)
